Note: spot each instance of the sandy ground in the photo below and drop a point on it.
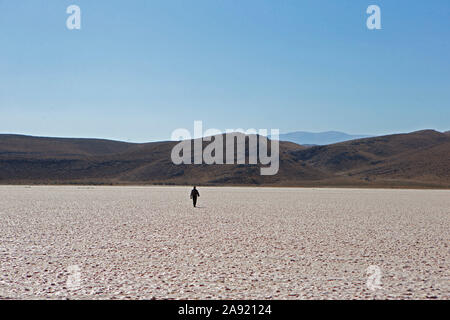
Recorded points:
(246, 243)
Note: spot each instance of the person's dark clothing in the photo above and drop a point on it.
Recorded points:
(194, 195)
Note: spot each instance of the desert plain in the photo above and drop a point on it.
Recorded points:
(84, 242)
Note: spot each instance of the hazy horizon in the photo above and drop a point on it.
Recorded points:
(168, 139)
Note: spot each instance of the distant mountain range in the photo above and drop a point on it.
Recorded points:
(319, 138)
(418, 159)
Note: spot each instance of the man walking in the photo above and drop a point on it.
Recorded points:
(194, 195)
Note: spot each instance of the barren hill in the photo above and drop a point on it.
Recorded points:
(418, 159)
(422, 156)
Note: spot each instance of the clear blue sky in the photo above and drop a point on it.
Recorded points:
(139, 69)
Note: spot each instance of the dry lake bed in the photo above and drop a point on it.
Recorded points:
(241, 243)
